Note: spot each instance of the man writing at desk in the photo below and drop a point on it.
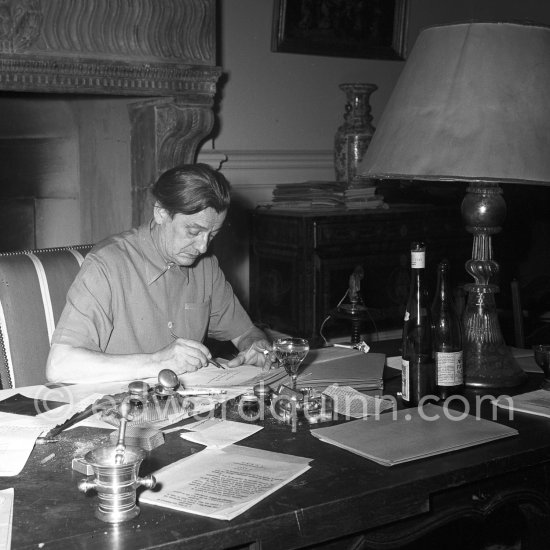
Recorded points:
(144, 300)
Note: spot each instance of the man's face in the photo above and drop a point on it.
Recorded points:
(184, 238)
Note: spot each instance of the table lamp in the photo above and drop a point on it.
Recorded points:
(471, 105)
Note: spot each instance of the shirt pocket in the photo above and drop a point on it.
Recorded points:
(192, 321)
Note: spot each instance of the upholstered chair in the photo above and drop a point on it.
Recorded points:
(33, 289)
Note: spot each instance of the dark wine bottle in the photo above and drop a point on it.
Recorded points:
(418, 369)
(446, 337)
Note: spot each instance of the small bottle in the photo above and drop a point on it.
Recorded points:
(418, 369)
(447, 337)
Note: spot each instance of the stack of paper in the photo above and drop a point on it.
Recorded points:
(411, 434)
(326, 366)
(534, 402)
(223, 483)
(308, 194)
(363, 195)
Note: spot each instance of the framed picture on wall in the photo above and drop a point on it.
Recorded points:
(374, 29)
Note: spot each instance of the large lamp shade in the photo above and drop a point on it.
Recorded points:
(472, 105)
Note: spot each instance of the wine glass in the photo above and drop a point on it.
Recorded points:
(290, 353)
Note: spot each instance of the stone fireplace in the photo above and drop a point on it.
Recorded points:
(97, 98)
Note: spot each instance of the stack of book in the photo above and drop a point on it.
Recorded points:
(309, 194)
(326, 194)
(326, 366)
(363, 196)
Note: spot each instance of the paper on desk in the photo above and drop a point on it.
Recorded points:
(66, 393)
(223, 483)
(218, 433)
(6, 518)
(245, 375)
(535, 402)
(412, 434)
(349, 402)
(18, 433)
(16, 444)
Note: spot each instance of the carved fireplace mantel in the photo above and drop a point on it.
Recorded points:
(160, 51)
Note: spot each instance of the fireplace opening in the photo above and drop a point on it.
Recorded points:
(66, 169)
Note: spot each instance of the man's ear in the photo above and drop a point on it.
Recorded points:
(159, 213)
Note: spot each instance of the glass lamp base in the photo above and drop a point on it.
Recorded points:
(488, 362)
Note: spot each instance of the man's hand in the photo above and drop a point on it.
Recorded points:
(258, 354)
(182, 356)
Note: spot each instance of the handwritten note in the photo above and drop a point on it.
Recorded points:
(245, 375)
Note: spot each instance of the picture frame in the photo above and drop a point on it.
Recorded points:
(371, 29)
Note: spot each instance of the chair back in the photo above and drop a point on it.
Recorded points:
(33, 290)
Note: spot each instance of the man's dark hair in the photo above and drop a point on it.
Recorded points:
(190, 188)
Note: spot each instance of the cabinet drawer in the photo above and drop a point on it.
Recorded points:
(392, 228)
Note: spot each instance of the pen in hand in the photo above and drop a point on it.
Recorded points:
(210, 361)
(216, 363)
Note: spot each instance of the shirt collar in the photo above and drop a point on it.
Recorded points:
(154, 263)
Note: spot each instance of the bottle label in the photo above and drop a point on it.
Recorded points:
(405, 380)
(418, 259)
(448, 367)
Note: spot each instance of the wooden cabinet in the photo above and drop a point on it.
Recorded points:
(301, 261)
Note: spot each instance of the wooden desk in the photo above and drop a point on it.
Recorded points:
(342, 496)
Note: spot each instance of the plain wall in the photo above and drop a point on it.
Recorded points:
(288, 101)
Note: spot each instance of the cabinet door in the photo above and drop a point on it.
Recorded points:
(281, 290)
(383, 289)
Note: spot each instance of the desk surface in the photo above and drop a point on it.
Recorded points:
(341, 494)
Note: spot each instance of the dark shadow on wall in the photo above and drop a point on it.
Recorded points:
(231, 248)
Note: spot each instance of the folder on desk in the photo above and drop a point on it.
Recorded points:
(410, 434)
(326, 366)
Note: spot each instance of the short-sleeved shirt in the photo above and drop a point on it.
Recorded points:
(127, 299)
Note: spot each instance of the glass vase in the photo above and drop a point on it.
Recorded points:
(354, 135)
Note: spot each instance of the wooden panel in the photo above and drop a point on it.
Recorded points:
(144, 47)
